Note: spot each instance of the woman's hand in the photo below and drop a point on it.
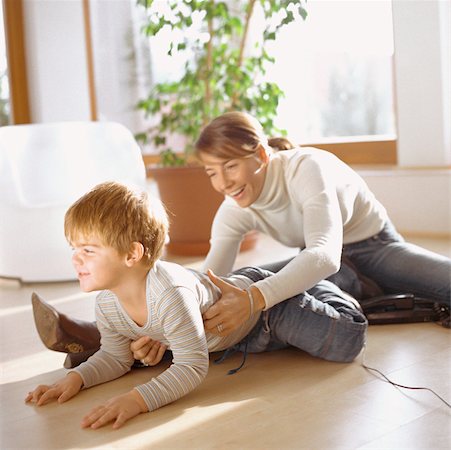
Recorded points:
(148, 351)
(232, 309)
(120, 409)
(62, 390)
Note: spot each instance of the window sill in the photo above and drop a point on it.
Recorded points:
(367, 150)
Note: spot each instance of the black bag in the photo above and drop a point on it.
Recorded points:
(403, 308)
(381, 308)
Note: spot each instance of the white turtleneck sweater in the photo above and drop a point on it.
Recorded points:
(310, 200)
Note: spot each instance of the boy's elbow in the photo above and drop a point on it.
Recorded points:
(202, 371)
(196, 374)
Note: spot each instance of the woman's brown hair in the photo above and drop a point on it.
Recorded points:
(236, 135)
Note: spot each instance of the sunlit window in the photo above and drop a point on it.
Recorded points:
(336, 71)
(4, 85)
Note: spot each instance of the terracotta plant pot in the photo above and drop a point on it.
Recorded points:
(191, 203)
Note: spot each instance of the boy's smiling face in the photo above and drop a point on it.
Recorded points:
(98, 266)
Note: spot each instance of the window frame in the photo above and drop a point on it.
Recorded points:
(15, 54)
(364, 150)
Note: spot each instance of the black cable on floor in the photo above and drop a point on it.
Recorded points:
(385, 378)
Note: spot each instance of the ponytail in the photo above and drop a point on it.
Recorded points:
(280, 143)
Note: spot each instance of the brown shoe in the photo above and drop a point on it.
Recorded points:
(60, 333)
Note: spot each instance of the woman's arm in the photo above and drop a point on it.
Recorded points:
(315, 263)
(313, 193)
(230, 225)
(222, 255)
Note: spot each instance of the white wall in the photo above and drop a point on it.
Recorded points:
(56, 60)
(422, 38)
(417, 197)
(417, 200)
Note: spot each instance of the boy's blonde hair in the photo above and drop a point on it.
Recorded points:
(119, 215)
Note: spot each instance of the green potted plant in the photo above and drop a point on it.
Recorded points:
(223, 72)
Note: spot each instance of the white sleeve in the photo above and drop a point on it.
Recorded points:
(313, 188)
(230, 225)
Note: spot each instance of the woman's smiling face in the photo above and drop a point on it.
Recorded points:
(240, 178)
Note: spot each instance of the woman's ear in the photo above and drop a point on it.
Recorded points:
(263, 154)
(135, 254)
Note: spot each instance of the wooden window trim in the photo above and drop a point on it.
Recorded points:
(362, 150)
(17, 69)
(90, 60)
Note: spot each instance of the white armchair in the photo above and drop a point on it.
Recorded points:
(44, 168)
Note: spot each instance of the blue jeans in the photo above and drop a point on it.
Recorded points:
(397, 267)
(400, 267)
(320, 322)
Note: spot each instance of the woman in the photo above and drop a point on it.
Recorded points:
(305, 198)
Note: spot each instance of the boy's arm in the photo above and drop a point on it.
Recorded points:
(179, 314)
(63, 390)
(101, 367)
(118, 409)
(114, 358)
(180, 317)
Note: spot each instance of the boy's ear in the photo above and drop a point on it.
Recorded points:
(135, 254)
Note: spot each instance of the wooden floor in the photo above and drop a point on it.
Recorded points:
(279, 400)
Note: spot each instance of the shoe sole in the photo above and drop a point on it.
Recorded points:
(47, 324)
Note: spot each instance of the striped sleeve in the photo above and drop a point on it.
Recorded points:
(114, 358)
(179, 315)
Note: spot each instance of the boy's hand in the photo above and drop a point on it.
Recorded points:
(119, 409)
(148, 351)
(63, 390)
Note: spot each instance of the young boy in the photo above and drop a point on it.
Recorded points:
(118, 238)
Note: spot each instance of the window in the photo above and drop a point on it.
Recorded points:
(336, 71)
